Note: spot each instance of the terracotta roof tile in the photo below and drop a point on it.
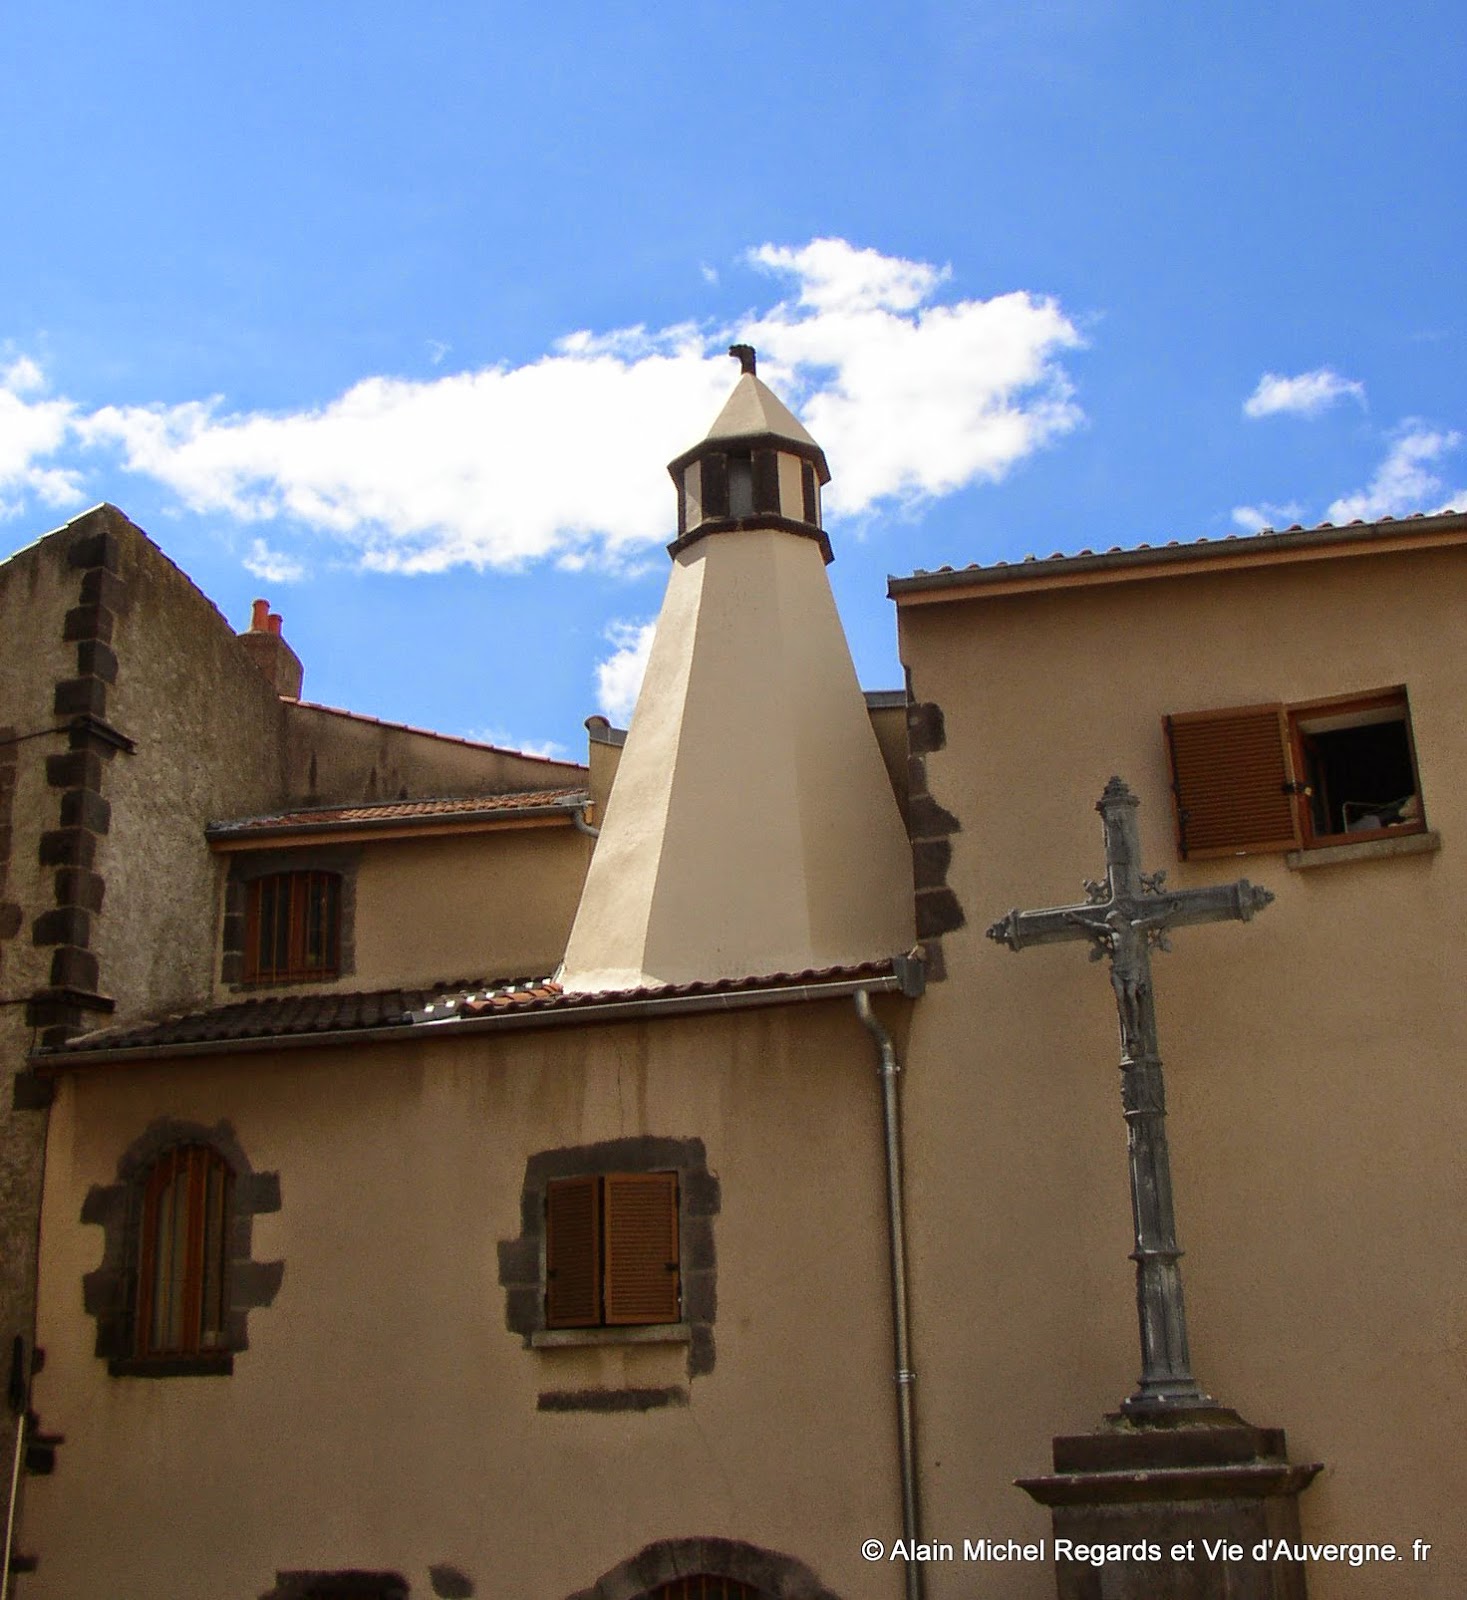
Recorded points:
(549, 996)
(275, 1015)
(1117, 555)
(388, 811)
(303, 1015)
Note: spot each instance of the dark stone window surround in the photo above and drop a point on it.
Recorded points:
(110, 1292)
(246, 866)
(354, 1584)
(340, 1585)
(780, 1577)
(522, 1260)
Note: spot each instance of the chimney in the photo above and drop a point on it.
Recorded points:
(264, 646)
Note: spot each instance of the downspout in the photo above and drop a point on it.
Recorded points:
(579, 822)
(20, 1403)
(891, 1114)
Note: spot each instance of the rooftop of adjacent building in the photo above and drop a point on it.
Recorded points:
(512, 805)
(1421, 530)
(275, 1021)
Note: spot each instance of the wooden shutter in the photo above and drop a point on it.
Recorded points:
(641, 1248)
(573, 1253)
(1231, 782)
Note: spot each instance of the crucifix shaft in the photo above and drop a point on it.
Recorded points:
(1123, 918)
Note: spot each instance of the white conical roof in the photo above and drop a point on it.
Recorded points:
(752, 827)
(754, 408)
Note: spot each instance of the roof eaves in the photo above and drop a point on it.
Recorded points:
(298, 823)
(1362, 538)
(539, 1008)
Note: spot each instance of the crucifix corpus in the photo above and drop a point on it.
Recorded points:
(1122, 918)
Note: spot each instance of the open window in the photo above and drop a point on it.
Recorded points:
(611, 1250)
(1358, 767)
(1254, 779)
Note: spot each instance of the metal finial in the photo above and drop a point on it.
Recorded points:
(744, 355)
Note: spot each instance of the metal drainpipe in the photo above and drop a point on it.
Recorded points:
(578, 821)
(905, 1378)
(19, 1396)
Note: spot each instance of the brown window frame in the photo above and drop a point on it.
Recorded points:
(186, 1211)
(297, 939)
(612, 1250)
(1243, 778)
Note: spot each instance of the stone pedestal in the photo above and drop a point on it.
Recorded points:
(1186, 1497)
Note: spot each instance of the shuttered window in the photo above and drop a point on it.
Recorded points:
(612, 1250)
(293, 927)
(1252, 779)
(573, 1253)
(1231, 782)
(182, 1242)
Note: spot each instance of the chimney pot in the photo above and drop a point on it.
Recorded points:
(273, 621)
(258, 613)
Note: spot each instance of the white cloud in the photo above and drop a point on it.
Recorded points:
(1303, 396)
(1405, 481)
(1266, 514)
(22, 376)
(619, 676)
(834, 275)
(912, 399)
(562, 458)
(30, 431)
(273, 566)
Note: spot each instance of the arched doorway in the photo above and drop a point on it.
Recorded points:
(704, 1586)
(707, 1569)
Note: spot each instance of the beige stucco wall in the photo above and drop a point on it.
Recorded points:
(383, 1416)
(448, 907)
(1314, 1065)
(473, 906)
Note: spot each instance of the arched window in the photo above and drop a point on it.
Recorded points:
(183, 1235)
(178, 1278)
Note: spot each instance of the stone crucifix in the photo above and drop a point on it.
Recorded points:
(1123, 918)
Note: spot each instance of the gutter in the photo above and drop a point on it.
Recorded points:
(509, 1020)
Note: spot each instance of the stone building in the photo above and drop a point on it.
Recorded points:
(467, 1174)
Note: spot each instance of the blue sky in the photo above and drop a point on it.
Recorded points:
(394, 315)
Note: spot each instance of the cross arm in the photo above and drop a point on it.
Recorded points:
(1176, 908)
(1055, 925)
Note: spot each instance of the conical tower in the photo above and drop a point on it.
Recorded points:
(752, 827)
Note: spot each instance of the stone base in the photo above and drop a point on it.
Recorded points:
(1178, 1504)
